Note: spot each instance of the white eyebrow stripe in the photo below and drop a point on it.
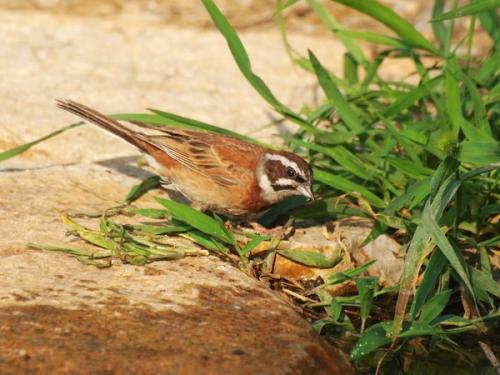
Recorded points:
(286, 162)
(285, 182)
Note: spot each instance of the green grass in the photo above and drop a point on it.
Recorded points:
(421, 160)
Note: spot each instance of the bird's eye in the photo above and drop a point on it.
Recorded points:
(290, 172)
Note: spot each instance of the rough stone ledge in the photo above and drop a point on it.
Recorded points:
(192, 316)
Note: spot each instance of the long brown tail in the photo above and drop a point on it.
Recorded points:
(102, 121)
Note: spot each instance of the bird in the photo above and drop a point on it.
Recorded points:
(215, 172)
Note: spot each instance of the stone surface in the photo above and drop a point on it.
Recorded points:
(231, 330)
(195, 315)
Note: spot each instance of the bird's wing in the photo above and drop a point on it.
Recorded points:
(225, 160)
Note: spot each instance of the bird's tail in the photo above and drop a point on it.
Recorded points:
(103, 121)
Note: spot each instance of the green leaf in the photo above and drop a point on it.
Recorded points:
(480, 114)
(205, 241)
(479, 152)
(350, 69)
(439, 28)
(340, 277)
(456, 260)
(325, 208)
(392, 20)
(286, 205)
(407, 99)
(154, 213)
(346, 113)
(488, 69)
(241, 57)
(157, 230)
(433, 270)
(285, 5)
(90, 236)
(419, 189)
(418, 329)
(25, 147)
(453, 102)
(373, 338)
(475, 134)
(349, 161)
(332, 24)
(372, 37)
(434, 307)
(444, 186)
(312, 258)
(469, 9)
(197, 219)
(73, 251)
(252, 244)
(367, 286)
(138, 190)
(484, 281)
(347, 186)
(409, 167)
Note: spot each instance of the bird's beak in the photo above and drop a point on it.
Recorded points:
(306, 191)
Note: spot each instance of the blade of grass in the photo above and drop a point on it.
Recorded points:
(73, 251)
(373, 338)
(154, 213)
(367, 286)
(205, 241)
(434, 307)
(157, 230)
(252, 244)
(469, 9)
(332, 24)
(347, 186)
(485, 282)
(341, 155)
(406, 100)
(479, 152)
(4, 155)
(197, 219)
(241, 57)
(333, 94)
(138, 190)
(91, 236)
(480, 115)
(439, 27)
(443, 187)
(285, 5)
(270, 216)
(433, 270)
(474, 134)
(312, 258)
(375, 38)
(340, 277)
(453, 102)
(350, 69)
(392, 20)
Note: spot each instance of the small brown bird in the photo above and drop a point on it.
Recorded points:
(215, 172)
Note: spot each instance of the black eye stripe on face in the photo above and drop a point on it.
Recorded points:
(282, 187)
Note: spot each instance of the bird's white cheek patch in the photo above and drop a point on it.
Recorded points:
(267, 191)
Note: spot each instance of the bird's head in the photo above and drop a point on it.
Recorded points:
(282, 174)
